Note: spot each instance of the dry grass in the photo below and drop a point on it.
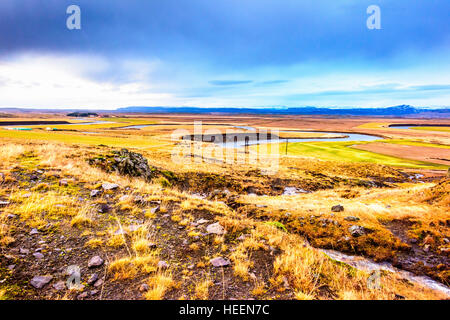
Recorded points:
(159, 284)
(303, 270)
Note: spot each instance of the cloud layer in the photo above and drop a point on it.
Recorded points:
(224, 53)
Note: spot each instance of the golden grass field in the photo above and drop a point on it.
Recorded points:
(152, 235)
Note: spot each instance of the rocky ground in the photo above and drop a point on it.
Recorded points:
(192, 235)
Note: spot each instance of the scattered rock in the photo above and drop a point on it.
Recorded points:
(144, 287)
(38, 255)
(104, 208)
(446, 241)
(202, 221)
(40, 281)
(93, 278)
(124, 198)
(356, 231)
(290, 191)
(126, 163)
(95, 262)
(63, 183)
(94, 292)
(215, 228)
(154, 210)
(220, 262)
(98, 283)
(337, 208)
(82, 296)
(11, 267)
(163, 265)
(4, 203)
(120, 232)
(11, 216)
(34, 231)
(95, 193)
(60, 285)
(351, 218)
(24, 251)
(110, 186)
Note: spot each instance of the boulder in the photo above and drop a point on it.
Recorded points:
(356, 231)
(337, 208)
(125, 162)
(351, 218)
(95, 193)
(110, 186)
(95, 261)
(220, 262)
(215, 228)
(40, 281)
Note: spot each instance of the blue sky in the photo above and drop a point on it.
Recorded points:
(231, 53)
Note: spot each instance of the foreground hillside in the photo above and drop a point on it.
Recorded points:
(212, 231)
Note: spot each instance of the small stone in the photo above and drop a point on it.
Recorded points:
(38, 255)
(24, 251)
(220, 262)
(60, 285)
(4, 203)
(34, 231)
(154, 210)
(11, 216)
(95, 193)
(337, 208)
(93, 278)
(94, 292)
(98, 283)
(356, 231)
(120, 232)
(40, 281)
(139, 199)
(215, 228)
(163, 265)
(202, 221)
(446, 240)
(351, 218)
(11, 267)
(63, 182)
(426, 248)
(110, 186)
(95, 262)
(104, 208)
(144, 287)
(82, 296)
(124, 198)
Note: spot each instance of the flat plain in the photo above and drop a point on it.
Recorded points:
(207, 227)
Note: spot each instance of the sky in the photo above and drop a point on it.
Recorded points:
(224, 53)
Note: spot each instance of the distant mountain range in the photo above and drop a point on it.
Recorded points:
(397, 111)
(403, 110)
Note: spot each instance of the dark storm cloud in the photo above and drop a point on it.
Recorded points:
(225, 32)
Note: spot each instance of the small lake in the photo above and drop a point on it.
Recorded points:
(254, 141)
(409, 126)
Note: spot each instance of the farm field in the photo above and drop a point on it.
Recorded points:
(213, 222)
